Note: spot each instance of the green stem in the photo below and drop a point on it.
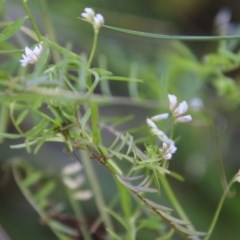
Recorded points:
(173, 37)
(175, 202)
(4, 116)
(96, 190)
(49, 28)
(173, 198)
(95, 38)
(219, 208)
(219, 158)
(95, 123)
(79, 215)
(31, 19)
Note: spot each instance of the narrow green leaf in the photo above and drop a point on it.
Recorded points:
(173, 219)
(151, 223)
(21, 116)
(85, 118)
(189, 231)
(132, 85)
(10, 30)
(114, 167)
(63, 228)
(4, 116)
(120, 78)
(95, 123)
(173, 37)
(118, 218)
(114, 236)
(9, 135)
(126, 201)
(23, 145)
(37, 129)
(33, 178)
(45, 190)
(102, 72)
(158, 206)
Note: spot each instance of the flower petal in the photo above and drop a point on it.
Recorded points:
(185, 118)
(159, 117)
(181, 109)
(172, 101)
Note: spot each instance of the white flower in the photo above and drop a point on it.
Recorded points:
(98, 20)
(237, 179)
(150, 123)
(222, 21)
(159, 117)
(73, 183)
(161, 135)
(88, 14)
(173, 101)
(157, 132)
(83, 195)
(196, 104)
(178, 110)
(185, 118)
(72, 168)
(167, 150)
(31, 56)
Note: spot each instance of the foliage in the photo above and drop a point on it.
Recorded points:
(56, 99)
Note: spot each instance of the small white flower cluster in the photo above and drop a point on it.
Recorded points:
(31, 56)
(168, 146)
(96, 19)
(178, 110)
(222, 22)
(237, 179)
(73, 180)
(196, 104)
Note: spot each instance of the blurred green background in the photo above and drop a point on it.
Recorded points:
(214, 134)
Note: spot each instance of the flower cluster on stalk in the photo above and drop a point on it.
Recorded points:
(31, 56)
(73, 180)
(177, 110)
(237, 178)
(97, 20)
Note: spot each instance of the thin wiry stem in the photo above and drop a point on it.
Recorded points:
(219, 208)
(96, 190)
(94, 46)
(79, 215)
(173, 37)
(31, 19)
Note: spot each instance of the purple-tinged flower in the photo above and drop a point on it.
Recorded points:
(167, 150)
(157, 132)
(160, 117)
(31, 56)
(178, 110)
(88, 14)
(97, 20)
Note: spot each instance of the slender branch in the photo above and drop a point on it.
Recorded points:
(96, 190)
(31, 19)
(49, 28)
(79, 215)
(94, 46)
(219, 208)
(174, 201)
(173, 37)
